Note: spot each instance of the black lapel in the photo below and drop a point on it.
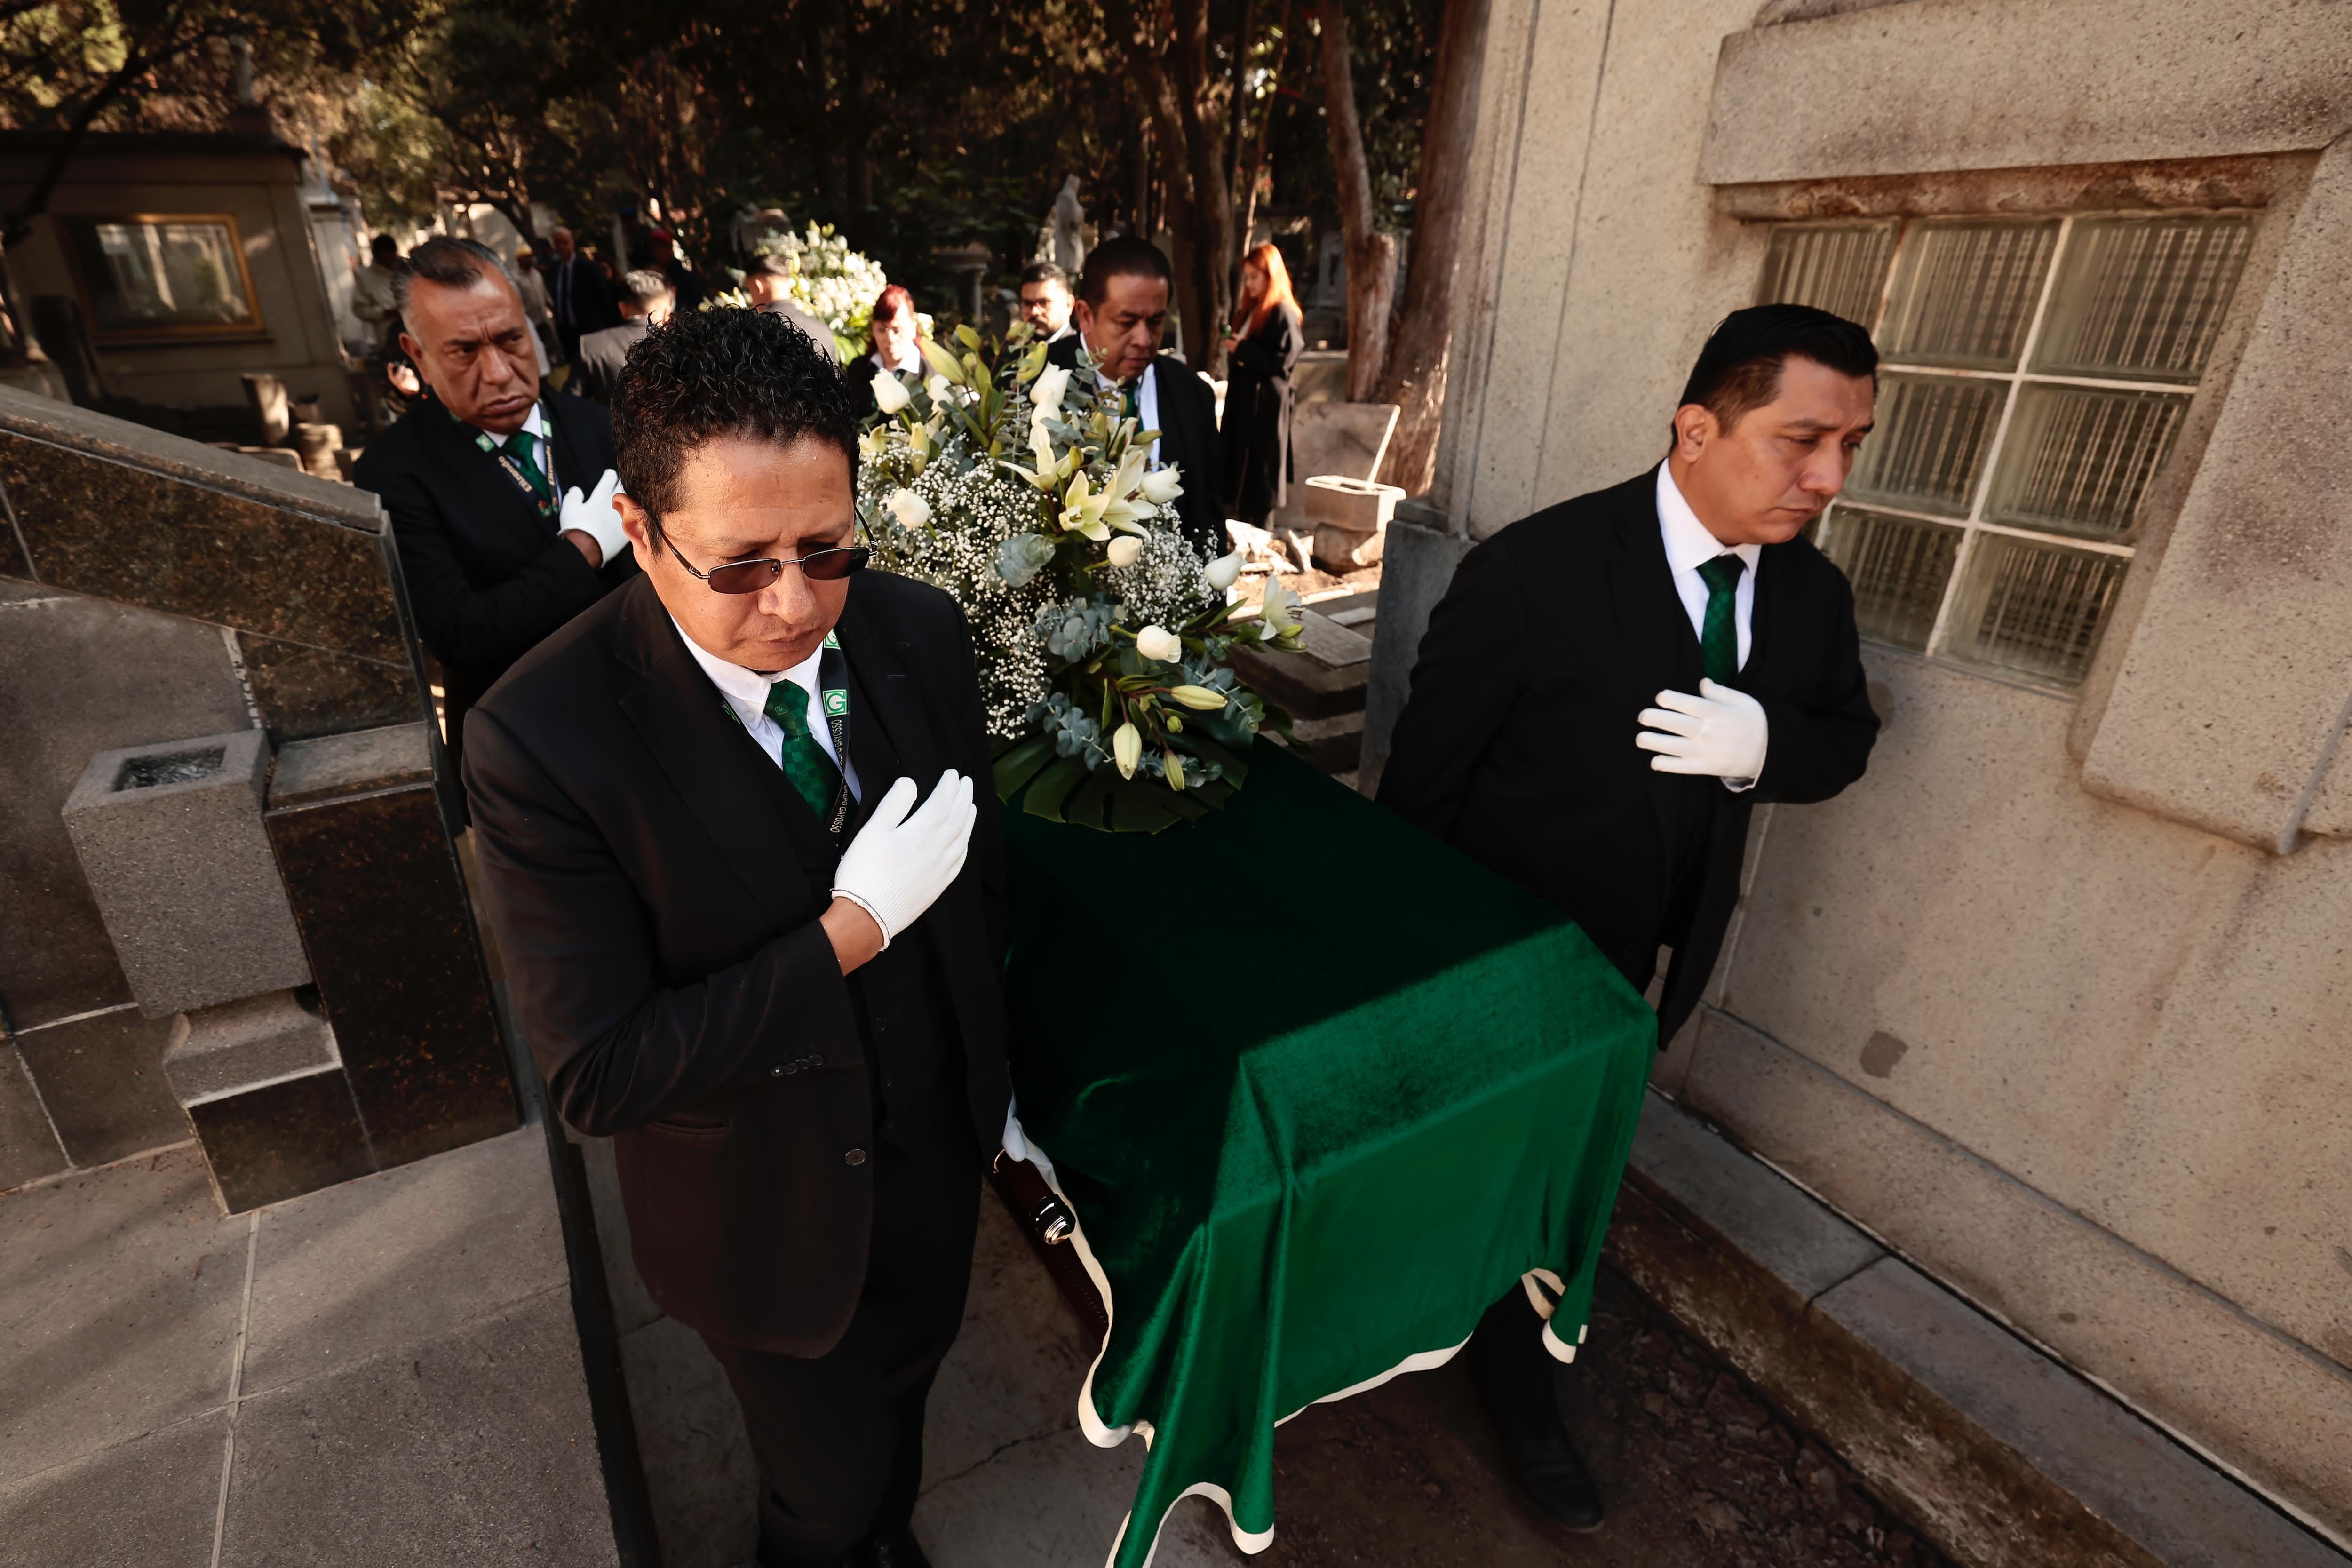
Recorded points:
(578, 465)
(494, 497)
(1652, 628)
(1760, 675)
(764, 831)
(887, 736)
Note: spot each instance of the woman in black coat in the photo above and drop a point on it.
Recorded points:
(1261, 354)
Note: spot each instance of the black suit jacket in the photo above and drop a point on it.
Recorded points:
(580, 297)
(656, 883)
(487, 575)
(1517, 745)
(1188, 439)
(596, 366)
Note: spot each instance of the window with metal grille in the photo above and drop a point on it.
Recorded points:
(2034, 374)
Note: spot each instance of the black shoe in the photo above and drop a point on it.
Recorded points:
(1549, 1471)
(895, 1550)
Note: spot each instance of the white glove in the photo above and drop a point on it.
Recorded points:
(596, 517)
(1720, 733)
(898, 863)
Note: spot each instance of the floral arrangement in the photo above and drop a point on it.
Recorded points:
(1018, 487)
(832, 283)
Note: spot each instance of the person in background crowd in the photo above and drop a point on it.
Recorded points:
(579, 293)
(1263, 350)
(1045, 300)
(646, 301)
(375, 291)
(1122, 309)
(1607, 690)
(533, 290)
(496, 552)
(738, 948)
(893, 330)
(665, 257)
(767, 283)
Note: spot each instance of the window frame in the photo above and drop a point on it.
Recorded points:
(255, 329)
(1974, 525)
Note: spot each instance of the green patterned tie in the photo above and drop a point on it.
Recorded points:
(805, 763)
(523, 447)
(1718, 640)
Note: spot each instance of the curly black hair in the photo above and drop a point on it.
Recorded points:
(709, 374)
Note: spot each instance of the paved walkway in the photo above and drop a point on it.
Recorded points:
(383, 1374)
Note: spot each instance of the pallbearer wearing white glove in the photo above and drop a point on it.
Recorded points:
(903, 860)
(1720, 733)
(595, 517)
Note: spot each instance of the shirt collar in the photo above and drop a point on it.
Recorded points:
(748, 689)
(1689, 546)
(534, 424)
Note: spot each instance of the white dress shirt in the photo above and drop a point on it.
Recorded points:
(1690, 546)
(542, 450)
(914, 364)
(746, 692)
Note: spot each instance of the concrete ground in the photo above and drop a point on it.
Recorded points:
(382, 1374)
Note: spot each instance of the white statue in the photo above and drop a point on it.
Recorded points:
(1070, 228)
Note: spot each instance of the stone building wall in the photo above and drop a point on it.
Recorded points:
(2055, 1000)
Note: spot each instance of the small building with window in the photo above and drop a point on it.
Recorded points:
(168, 264)
(2056, 1005)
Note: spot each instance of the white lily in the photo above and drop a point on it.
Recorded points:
(889, 391)
(1123, 550)
(1082, 510)
(1280, 616)
(1158, 643)
(911, 509)
(938, 388)
(1052, 383)
(1162, 486)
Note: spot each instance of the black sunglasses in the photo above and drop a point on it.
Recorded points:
(751, 576)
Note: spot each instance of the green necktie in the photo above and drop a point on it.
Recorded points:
(1130, 404)
(1718, 639)
(805, 763)
(522, 447)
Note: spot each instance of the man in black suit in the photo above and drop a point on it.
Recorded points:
(646, 301)
(1610, 685)
(495, 551)
(735, 949)
(579, 293)
(1122, 309)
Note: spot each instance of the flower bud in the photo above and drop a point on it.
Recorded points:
(1160, 643)
(1172, 766)
(1124, 550)
(911, 509)
(1222, 572)
(1162, 486)
(889, 391)
(1127, 749)
(1201, 698)
(1052, 383)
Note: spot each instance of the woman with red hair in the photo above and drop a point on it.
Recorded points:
(893, 330)
(1261, 354)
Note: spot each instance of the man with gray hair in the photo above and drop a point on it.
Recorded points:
(767, 283)
(646, 301)
(496, 552)
(579, 292)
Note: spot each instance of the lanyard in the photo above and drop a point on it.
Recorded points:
(832, 696)
(544, 503)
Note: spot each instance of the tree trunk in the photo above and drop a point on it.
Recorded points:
(1249, 151)
(1176, 200)
(1372, 255)
(1212, 206)
(1415, 378)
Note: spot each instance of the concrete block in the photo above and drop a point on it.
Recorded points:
(102, 1085)
(170, 837)
(1344, 438)
(2177, 1510)
(1350, 505)
(240, 1045)
(349, 763)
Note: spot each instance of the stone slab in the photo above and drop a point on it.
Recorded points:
(1057, 1500)
(28, 1145)
(349, 764)
(1019, 1361)
(152, 1500)
(1418, 569)
(101, 1081)
(77, 676)
(1344, 438)
(1982, 84)
(401, 1256)
(124, 1289)
(1331, 644)
(700, 1472)
(218, 1050)
(301, 691)
(1742, 1202)
(472, 1448)
(1351, 505)
(170, 836)
(2181, 1512)
(280, 1140)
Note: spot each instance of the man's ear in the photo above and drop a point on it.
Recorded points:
(414, 349)
(637, 523)
(1694, 426)
(1084, 315)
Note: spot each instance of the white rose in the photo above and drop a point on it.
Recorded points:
(1162, 486)
(1124, 550)
(911, 509)
(889, 391)
(1222, 572)
(1160, 643)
